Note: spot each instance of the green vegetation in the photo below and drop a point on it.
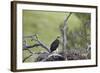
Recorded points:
(46, 24)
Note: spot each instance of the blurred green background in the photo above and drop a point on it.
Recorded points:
(46, 25)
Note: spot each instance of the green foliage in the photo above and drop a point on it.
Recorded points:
(79, 38)
(83, 16)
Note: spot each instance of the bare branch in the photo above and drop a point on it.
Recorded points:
(31, 46)
(63, 29)
(27, 58)
(39, 43)
(43, 45)
(54, 57)
(66, 19)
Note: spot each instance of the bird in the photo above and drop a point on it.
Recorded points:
(54, 45)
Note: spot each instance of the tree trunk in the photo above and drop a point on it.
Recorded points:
(63, 29)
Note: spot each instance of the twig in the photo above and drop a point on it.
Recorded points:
(43, 45)
(31, 46)
(66, 19)
(39, 43)
(27, 58)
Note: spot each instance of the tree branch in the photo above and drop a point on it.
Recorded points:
(66, 19)
(63, 29)
(54, 57)
(27, 58)
(31, 46)
(39, 43)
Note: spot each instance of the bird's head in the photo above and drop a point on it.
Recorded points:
(58, 37)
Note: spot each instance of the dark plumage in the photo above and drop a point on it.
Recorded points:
(54, 45)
